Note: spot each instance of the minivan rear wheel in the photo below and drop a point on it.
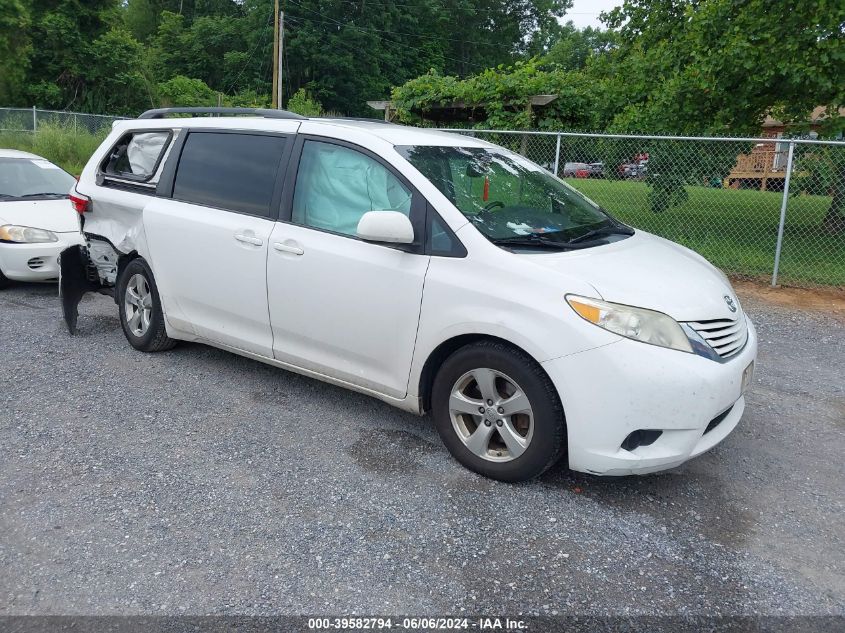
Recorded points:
(140, 309)
(498, 412)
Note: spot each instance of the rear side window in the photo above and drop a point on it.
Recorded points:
(236, 172)
(136, 156)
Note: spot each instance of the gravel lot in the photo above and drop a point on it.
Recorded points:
(195, 481)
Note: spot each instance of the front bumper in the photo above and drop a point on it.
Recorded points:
(611, 391)
(36, 262)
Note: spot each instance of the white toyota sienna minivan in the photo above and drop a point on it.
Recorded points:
(434, 271)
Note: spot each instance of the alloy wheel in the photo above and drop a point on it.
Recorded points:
(491, 415)
(138, 305)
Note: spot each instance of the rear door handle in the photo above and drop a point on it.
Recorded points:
(249, 239)
(288, 248)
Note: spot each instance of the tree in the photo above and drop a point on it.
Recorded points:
(15, 49)
(720, 66)
(114, 80)
(572, 48)
(64, 31)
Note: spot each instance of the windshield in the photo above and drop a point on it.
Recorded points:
(31, 179)
(505, 195)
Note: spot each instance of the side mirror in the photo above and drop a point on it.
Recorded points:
(391, 227)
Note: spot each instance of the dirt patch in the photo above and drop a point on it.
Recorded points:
(828, 300)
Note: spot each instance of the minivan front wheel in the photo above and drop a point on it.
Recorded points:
(497, 412)
(140, 309)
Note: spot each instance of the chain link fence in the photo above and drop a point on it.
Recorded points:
(29, 119)
(768, 208)
(66, 138)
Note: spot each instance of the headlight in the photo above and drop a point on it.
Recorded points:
(639, 324)
(26, 235)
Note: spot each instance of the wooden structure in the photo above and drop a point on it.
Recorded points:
(764, 168)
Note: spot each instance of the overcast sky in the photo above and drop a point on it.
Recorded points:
(586, 12)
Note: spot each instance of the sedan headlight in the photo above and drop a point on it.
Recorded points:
(639, 324)
(26, 235)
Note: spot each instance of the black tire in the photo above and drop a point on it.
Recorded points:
(155, 338)
(548, 442)
(5, 282)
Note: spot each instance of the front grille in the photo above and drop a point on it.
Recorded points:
(726, 336)
(36, 262)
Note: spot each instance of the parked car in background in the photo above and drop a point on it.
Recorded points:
(596, 170)
(36, 220)
(576, 170)
(636, 168)
(633, 170)
(434, 271)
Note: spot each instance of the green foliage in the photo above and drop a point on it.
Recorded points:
(15, 48)
(303, 103)
(186, 92)
(718, 67)
(65, 144)
(573, 48)
(501, 96)
(115, 81)
(343, 53)
(816, 170)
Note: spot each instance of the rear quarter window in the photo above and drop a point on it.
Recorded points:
(136, 156)
(234, 172)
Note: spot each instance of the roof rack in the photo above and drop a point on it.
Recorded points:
(361, 119)
(160, 113)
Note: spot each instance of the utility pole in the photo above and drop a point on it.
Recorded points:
(281, 60)
(276, 103)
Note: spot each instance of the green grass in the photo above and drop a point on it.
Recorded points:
(66, 146)
(735, 229)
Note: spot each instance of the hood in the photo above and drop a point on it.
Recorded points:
(649, 272)
(53, 215)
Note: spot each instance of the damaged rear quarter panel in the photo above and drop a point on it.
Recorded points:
(117, 214)
(114, 228)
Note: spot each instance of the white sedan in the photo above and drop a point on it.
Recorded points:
(37, 222)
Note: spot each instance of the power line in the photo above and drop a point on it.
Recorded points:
(257, 45)
(404, 33)
(400, 44)
(462, 10)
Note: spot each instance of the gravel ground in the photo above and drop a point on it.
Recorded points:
(195, 481)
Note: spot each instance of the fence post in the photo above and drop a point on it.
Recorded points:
(34, 120)
(557, 154)
(783, 212)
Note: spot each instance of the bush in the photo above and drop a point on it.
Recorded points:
(181, 91)
(302, 102)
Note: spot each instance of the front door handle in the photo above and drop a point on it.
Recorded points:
(288, 248)
(249, 239)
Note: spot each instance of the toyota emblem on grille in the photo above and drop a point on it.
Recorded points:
(731, 305)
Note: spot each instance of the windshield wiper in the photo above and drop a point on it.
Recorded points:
(610, 229)
(42, 194)
(535, 240)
